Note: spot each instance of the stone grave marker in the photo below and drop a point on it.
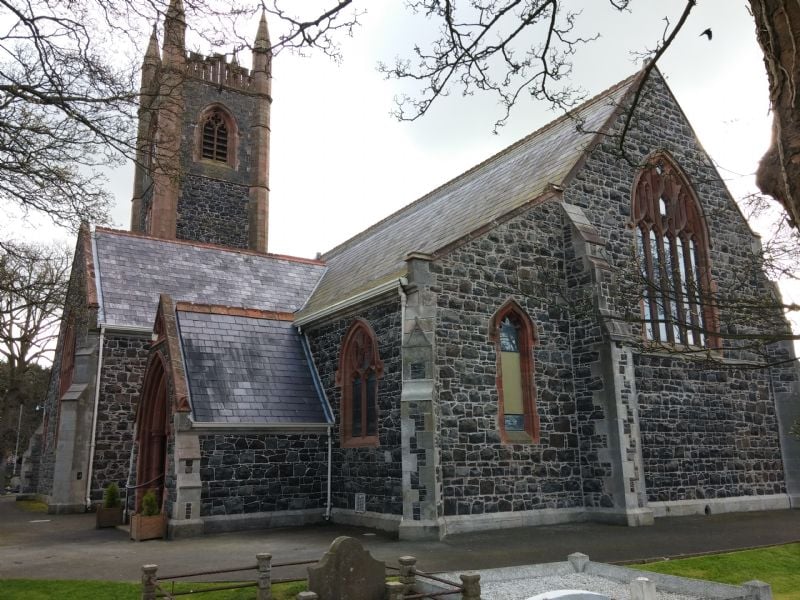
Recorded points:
(347, 572)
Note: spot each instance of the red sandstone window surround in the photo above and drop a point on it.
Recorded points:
(360, 368)
(217, 136)
(512, 332)
(672, 254)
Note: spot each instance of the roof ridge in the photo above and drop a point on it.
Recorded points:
(233, 311)
(336, 250)
(210, 246)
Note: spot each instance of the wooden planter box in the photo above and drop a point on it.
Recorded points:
(148, 528)
(108, 517)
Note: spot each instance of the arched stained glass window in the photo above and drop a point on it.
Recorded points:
(671, 245)
(360, 368)
(512, 331)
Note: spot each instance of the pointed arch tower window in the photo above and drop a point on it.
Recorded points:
(672, 254)
(512, 332)
(217, 136)
(360, 368)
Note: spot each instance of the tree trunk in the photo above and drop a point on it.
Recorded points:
(9, 418)
(778, 31)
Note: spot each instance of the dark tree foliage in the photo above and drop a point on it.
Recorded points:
(69, 69)
(33, 284)
(32, 392)
(69, 74)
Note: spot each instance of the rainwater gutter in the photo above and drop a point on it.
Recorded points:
(354, 300)
(403, 299)
(327, 516)
(94, 418)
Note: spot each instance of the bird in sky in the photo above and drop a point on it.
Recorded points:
(708, 33)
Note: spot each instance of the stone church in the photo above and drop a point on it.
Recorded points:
(561, 333)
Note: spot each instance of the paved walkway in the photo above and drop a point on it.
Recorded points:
(36, 545)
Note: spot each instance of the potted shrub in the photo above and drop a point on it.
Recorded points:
(149, 523)
(109, 512)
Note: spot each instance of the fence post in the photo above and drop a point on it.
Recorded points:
(149, 582)
(264, 580)
(408, 573)
(471, 584)
(395, 590)
(307, 596)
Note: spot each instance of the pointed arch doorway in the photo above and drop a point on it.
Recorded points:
(152, 426)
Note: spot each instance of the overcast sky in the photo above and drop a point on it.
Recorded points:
(340, 162)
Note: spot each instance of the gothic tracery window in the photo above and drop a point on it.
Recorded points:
(672, 256)
(512, 332)
(360, 368)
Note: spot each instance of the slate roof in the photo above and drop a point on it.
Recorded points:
(133, 270)
(247, 370)
(516, 175)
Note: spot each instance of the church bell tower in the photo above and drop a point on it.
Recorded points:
(202, 168)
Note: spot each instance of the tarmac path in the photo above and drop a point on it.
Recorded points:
(42, 546)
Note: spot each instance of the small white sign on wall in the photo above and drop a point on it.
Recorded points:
(361, 503)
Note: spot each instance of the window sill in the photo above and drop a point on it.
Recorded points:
(365, 442)
(208, 162)
(518, 437)
(690, 352)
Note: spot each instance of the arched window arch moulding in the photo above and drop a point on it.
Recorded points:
(360, 369)
(216, 136)
(513, 334)
(672, 249)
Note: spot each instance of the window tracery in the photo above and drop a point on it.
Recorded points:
(672, 255)
(360, 368)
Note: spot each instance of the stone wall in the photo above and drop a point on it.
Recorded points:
(213, 204)
(249, 472)
(586, 338)
(213, 211)
(708, 427)
(521, 259)
(76, 304)
(706, 433)
(376, 472)
(124, 361)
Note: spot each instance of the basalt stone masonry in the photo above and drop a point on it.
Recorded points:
(375, 472)
(213, 211)
(124, 361)
(481, 474)
(251, 473)
(708, 428)
(486, 357)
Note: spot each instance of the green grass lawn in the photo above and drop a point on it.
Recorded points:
(32, 506)
(40, 589)
(777, 565)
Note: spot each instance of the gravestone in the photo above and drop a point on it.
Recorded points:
(347, 572)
